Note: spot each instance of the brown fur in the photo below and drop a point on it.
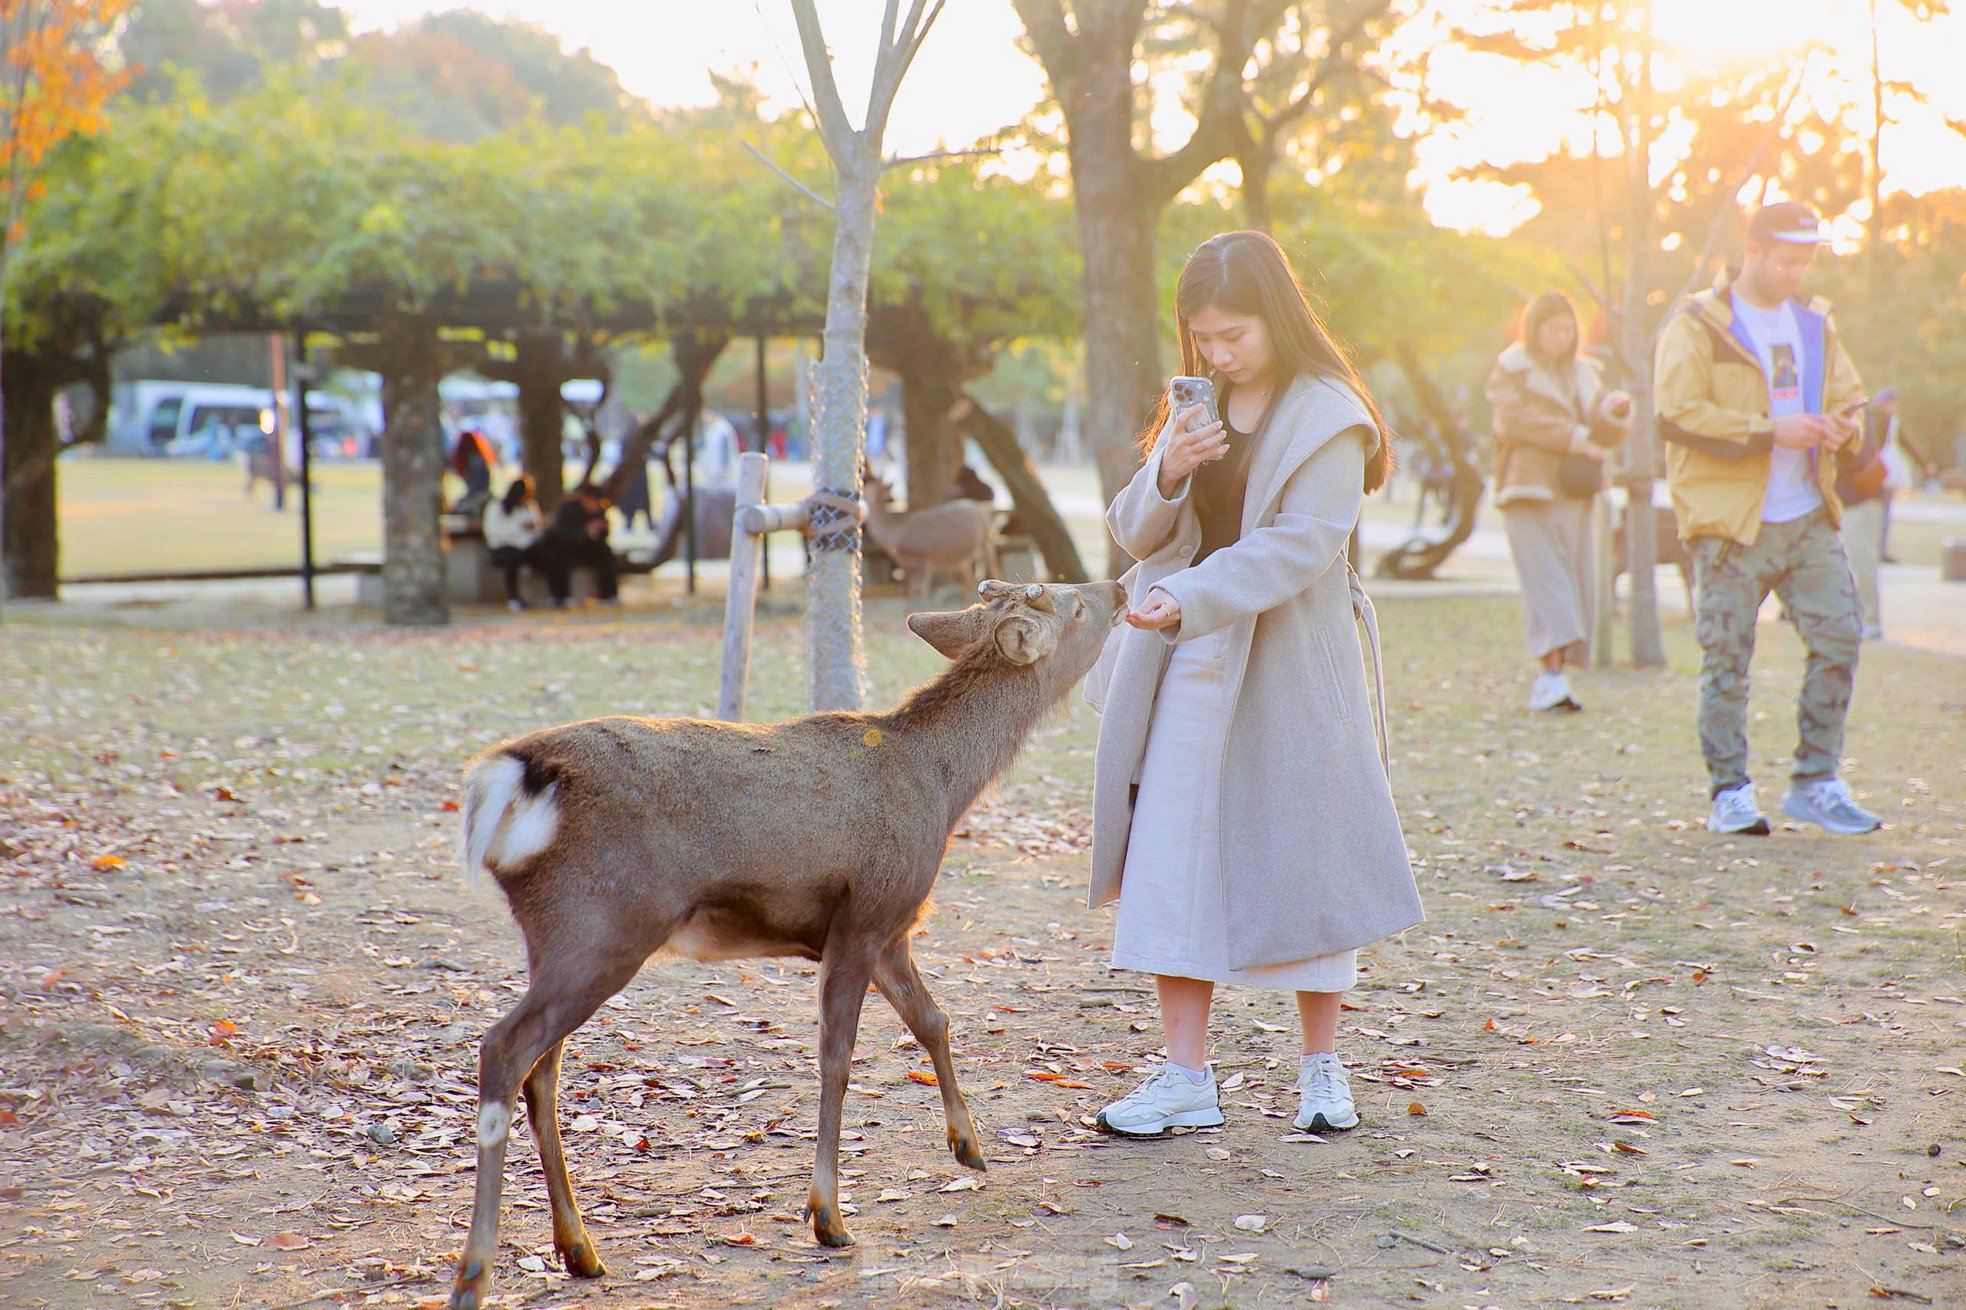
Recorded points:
(819, 838)
(954, 537)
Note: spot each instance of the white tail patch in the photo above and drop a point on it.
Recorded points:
(502, 825)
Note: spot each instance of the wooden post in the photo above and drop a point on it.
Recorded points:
(303, 373)
(276, 347)
(740, 603)
(764, 448)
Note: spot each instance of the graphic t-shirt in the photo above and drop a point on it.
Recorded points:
(1777, 338)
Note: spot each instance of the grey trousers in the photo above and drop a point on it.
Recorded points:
(1802, 562)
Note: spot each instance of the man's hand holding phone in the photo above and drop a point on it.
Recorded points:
(1801, 431)
(1195, 442)
(1846, 426)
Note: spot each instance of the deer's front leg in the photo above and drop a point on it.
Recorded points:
(895, 974)
(842, 992)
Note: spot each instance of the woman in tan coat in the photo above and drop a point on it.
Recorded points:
(1242, 813)
(1555, 427)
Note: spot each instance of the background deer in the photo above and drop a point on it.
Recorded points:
(821, 838)
(956, 537)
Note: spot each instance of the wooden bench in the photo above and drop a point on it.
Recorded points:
(470, 577)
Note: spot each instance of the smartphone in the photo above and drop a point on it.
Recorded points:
(1185, 392)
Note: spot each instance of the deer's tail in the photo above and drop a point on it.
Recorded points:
(509, 817)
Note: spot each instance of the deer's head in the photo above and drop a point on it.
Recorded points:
(1055, 628)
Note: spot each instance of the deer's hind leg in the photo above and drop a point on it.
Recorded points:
(543, 1114)
(566, 989)
(843, 978)
(895, 974)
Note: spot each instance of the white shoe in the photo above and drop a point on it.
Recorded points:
(1324, 1096)
(1828, 805)
(1551, 691)
(1735, 812)
(1167, 1099)
(515, 604)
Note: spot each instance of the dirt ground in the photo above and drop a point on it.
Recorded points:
(1623, 1061)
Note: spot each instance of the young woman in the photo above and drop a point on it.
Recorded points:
(515, 535)
(1242, 811)
(1555, 425)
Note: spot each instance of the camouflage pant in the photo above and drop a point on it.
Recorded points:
(1803, 563)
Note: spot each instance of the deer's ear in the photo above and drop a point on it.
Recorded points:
(951, 633)
(1024, 640)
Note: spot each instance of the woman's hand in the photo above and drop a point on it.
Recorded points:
(1159, 610)
(1193, 444)
(1594, 451)
(1616, 406)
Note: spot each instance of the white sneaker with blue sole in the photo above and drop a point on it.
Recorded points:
(1828, 804)
(1735, 811)
(1167, 1099)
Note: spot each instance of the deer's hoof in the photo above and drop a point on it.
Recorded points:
(468, 1291)
(968, 1154)
(581, 1261)
(827, 1228)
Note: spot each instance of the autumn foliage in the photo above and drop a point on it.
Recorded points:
(52, 83)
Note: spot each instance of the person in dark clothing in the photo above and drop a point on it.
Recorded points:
(580, 535)
(635, 500)
(515, 533)
(473, 460)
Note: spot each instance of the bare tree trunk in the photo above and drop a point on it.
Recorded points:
(413, 590)
(927, 396)
(839, 429)
(840, 379)
(27, 469)
(539, 368)
(1027, 490)
(1122, 333)
(1635, 344)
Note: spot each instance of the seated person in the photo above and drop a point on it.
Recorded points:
(580, 537)
(515, 533)
(473, 460)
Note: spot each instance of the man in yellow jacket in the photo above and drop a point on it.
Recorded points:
(1756, 397)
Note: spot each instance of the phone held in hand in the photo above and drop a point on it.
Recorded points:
(1184, 393)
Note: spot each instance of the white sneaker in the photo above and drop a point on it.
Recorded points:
(1167, 1099)
(1735, 812)
(1828, 804)
(1551, 691)
(1324, 1096)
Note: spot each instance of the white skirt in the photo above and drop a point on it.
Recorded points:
(1174, 909)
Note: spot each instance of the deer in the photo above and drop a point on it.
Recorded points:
(818, 838)
(953, 536)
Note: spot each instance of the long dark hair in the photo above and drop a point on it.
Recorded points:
(1247, 273)
(518, 493)
(1540, 311)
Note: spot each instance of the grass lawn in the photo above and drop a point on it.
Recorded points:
(1623, 1061)
(132, 516)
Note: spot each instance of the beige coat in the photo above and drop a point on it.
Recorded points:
(1312, 852)
(1536, 422)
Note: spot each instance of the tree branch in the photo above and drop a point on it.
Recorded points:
(1328, 65)
(892, 64)
(905, 161)
(801, 187)
(1221, 101)
(834, 129)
